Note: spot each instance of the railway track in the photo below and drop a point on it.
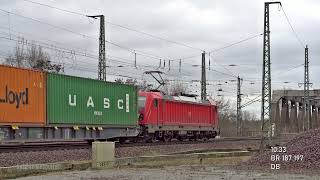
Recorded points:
(174, 142)
(19, 146)
(42, 146)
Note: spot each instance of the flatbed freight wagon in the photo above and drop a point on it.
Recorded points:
(40, 105)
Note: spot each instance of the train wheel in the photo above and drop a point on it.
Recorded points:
(201, 137)
(197, 137)
(150, 138)
(166, 138)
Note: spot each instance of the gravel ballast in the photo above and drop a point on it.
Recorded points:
(38, 157)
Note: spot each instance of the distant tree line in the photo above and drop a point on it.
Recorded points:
(251, 125)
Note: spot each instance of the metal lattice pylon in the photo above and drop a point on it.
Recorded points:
(266, 79)
(102, 51)
(203, 77)
(102, 72)
(239, 111)
(306, 102)
(306, 85)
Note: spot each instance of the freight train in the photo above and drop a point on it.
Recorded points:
(42, 105)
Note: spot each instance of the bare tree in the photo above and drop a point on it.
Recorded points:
(228, 120)
(174, 89)
(178, 88)
(18, 57)
(37, 59)
(251, 126)
(32, 57)
(227, 117)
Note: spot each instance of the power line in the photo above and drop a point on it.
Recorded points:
(138, 31)
(89, 66)
(228, 46)
(78, 53)
(87, 36)
(249, 64)
(222, 48)
(64, 50)
(48, 24)
(214, 70)
(48, 45)
(295, 33)
(72, 12)
(30, 34)
(72, 52)
(235, 43)
(121, 26)
(290, 69)
(223, 67)
(256, 99)
(150, 35)
(156, 37)
(84, 68)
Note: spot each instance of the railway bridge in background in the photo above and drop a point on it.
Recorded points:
(288, 112)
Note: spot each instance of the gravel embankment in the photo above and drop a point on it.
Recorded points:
(19, 158)
(302, 153)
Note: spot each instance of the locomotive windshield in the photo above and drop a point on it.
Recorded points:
(141, 102)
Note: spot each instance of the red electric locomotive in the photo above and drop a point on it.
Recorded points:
(165, 117)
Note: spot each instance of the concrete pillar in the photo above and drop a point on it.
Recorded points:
(284, 116)
(309, 111)
(293, 117)
(103, 154)
(275, 111)
(300, 116)
(313, 117)
(318, 116)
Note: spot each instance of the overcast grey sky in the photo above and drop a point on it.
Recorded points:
(203, 24)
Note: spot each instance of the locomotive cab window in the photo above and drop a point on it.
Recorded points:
(141, 102)
(155, 103)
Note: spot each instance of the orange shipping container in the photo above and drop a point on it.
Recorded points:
(22, 96)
